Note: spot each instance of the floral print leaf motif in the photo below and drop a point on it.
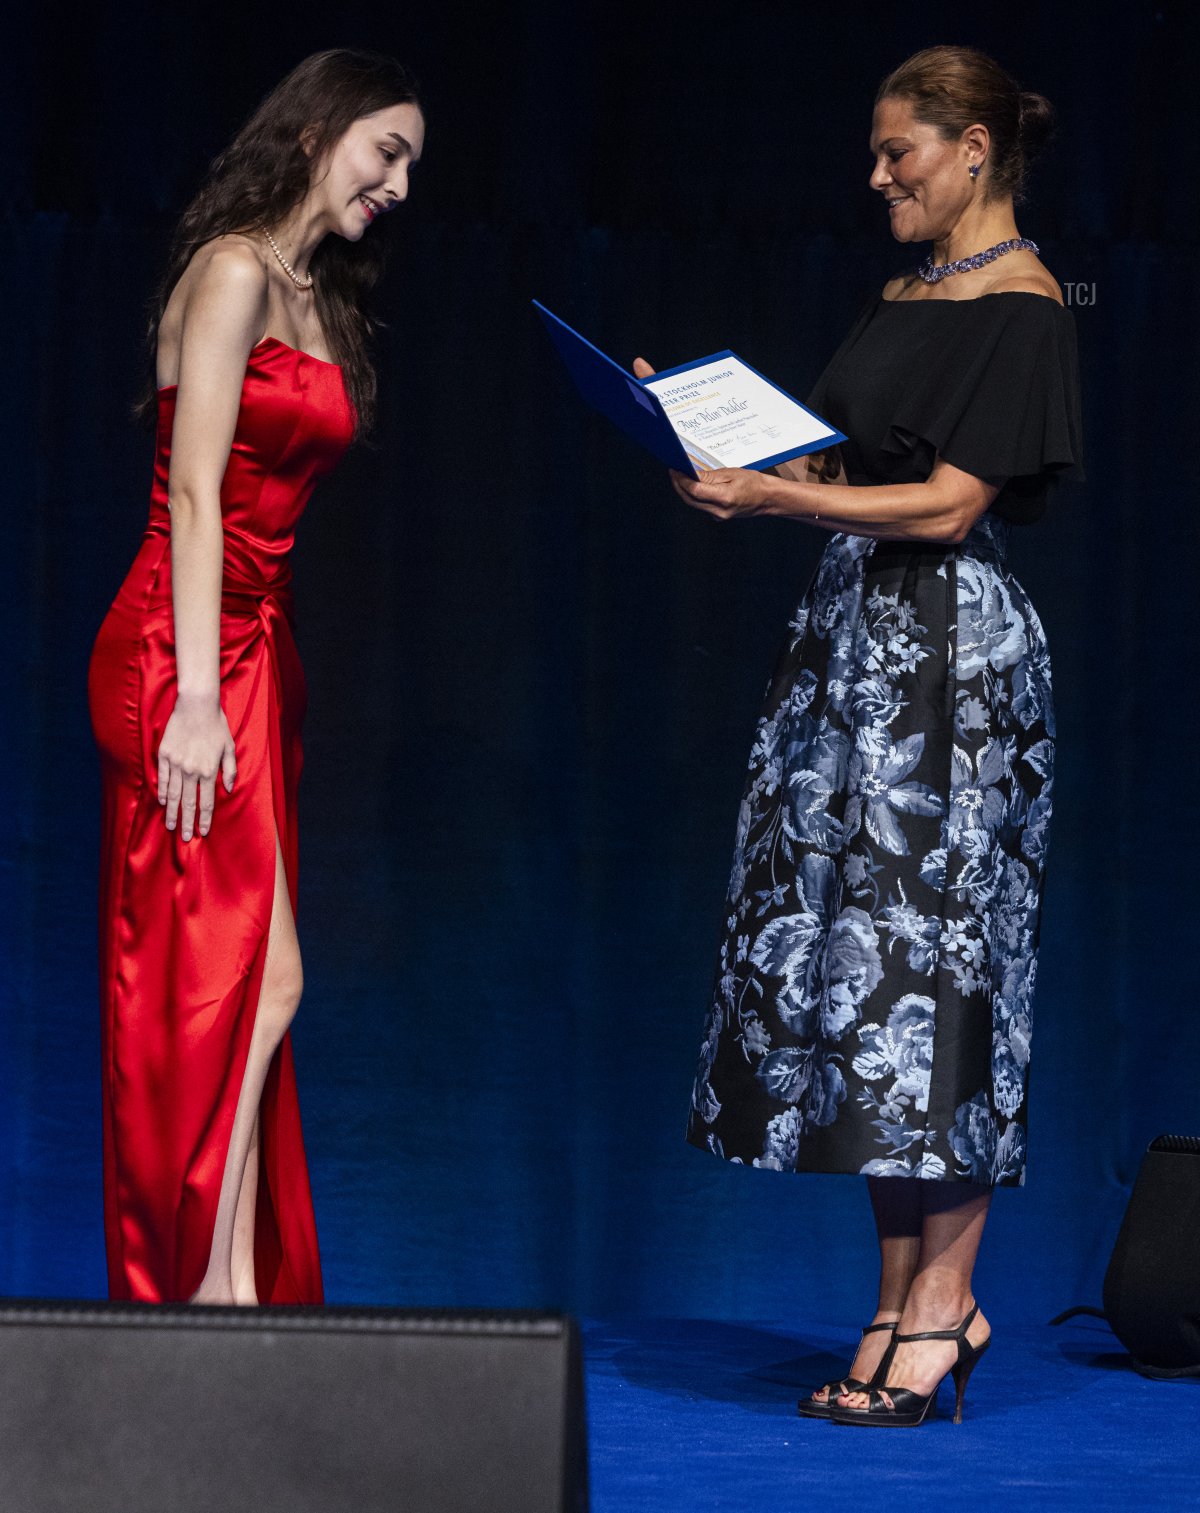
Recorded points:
(741, 861)
(1032, 699)
(977, 876)
(964, 954)
(856, 869)
(786, 1073)
(801, 1076)
(704, 1101)
(1016, 978)
(991, 629)
(877, 767)
(782, 1141)
(815, 762)
(982, 1153)
(785, 948)
(969, 713)
(894, 1133)
(826, 972)
(916, 798)
(977, 801)
(902, 1049)
(872, 701)
(933, 869)
(837, 588)
(892, 1111)
(1009, 1161)
(769, 898)
(974, 1138)
(922, 933)
(914, 712)
(852, 970)
(766, 752)
(1040, 757)
(755, 1037)
(1010, 922)
(891, 636)
(803, 692)
(929, 1165)
(1010, 1056)
(1037, 824)
(815, 884)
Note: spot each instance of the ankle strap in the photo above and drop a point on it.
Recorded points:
(942, 1334)
(874, 1328)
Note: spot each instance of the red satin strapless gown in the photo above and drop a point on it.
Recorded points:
(183, 924)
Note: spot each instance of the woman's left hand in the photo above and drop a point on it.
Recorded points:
(727, 493)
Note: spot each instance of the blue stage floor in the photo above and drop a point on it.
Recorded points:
(691, 1415)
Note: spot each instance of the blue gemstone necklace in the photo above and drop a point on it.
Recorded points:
(934, 275)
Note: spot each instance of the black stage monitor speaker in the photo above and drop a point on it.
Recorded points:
(144, 1408)
(1152, 1285)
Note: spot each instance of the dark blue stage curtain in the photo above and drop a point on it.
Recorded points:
(534, 675)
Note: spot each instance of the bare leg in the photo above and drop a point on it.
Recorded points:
(242, 1259)
(896, 1203)
(278, 1000)
(940, 1294)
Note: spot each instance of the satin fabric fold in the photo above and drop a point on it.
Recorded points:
(183, 924)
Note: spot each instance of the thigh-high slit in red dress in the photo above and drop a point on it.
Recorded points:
(183, 924)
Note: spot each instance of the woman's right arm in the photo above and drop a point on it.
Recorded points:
(225, 311)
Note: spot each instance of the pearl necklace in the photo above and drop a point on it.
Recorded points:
(299, 282)
(933, 275)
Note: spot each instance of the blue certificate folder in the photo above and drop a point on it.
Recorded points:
(624, 399)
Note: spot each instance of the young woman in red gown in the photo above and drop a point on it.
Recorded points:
(260, 379)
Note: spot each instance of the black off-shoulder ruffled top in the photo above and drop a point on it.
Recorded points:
(991, 384)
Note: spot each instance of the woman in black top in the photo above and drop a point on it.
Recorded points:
(873, 995)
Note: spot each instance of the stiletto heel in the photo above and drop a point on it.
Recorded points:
(808, 1407)
(910, 1409)
(961, 1371)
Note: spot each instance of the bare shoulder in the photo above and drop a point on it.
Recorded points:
(228, 290)
(220, 303)
(229, 269)
(232, 263)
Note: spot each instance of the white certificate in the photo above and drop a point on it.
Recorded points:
(727, 415)
(717, 412)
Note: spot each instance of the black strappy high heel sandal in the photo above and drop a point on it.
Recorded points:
(808, 1407)
(912, 1408)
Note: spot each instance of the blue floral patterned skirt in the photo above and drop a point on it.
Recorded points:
(872, 1005)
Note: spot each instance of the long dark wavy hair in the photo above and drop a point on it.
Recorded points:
(263, 174)
(953, 87)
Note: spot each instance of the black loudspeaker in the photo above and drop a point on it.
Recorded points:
(1152, 1285)
(144, 1408)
